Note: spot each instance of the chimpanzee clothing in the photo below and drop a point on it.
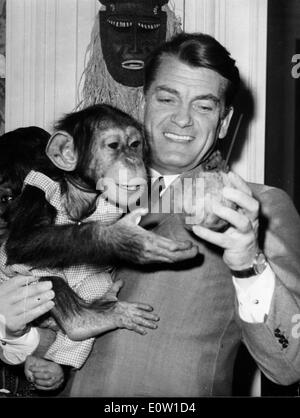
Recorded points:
(87, 281)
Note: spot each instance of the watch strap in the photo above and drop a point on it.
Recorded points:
(244, 274)
(258, 266)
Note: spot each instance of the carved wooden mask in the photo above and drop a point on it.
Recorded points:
(129, 31)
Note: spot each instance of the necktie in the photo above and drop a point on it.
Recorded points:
(155, 190)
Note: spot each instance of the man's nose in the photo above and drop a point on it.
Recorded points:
(182, 117)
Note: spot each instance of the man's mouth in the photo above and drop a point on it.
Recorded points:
(178, 138)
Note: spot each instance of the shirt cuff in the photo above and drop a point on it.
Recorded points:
(255, 300)
(16, 350)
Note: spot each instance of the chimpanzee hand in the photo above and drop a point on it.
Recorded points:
(107, 314)
(133, 243)
(133, 316)
(44, 374)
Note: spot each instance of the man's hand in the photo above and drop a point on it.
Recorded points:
(21, 303)
(240, 239)
(44, 374)
(133, 243)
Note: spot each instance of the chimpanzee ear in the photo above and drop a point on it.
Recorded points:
(61, 151)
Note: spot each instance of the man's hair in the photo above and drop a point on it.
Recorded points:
(196, 50)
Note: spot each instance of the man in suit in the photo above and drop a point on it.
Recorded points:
(245, 283)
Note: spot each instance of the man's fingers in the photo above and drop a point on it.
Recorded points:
(16, 283)
(31, 302)
(239, 183)
(210, 236)
(33, 291)
(235, 218)
(34, 313)
(244, 201)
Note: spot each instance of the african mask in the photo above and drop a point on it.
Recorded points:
(129, 31)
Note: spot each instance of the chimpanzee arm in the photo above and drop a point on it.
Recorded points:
(35, 240)
(81, 320)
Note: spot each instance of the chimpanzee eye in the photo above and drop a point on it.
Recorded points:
(135, 144)
(113, 145)
(6, 199)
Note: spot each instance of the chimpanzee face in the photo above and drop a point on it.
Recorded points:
(117, 166)
(6, 197)
(129, 31)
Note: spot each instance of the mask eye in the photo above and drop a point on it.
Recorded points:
(148, 26)
(120, 23)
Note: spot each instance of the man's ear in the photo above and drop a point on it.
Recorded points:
(225, 122)
(60, 149)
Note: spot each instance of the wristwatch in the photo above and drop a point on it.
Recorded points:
(258, 266)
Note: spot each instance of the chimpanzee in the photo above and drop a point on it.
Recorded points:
(88, 149)
(21, 150)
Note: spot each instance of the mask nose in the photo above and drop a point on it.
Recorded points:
(134, 45)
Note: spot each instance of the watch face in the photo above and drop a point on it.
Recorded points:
(260, 263)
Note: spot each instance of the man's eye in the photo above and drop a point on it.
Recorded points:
(165, 100)
(203, 107)
(6, 199)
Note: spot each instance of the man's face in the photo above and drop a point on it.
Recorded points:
(184, 115)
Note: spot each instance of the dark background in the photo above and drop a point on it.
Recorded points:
(282, 163)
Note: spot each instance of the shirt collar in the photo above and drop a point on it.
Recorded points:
(168, 178)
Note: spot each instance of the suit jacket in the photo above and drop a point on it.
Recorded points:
(192, 352)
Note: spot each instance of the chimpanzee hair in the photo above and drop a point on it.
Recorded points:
(83, 125)
(22, 150)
